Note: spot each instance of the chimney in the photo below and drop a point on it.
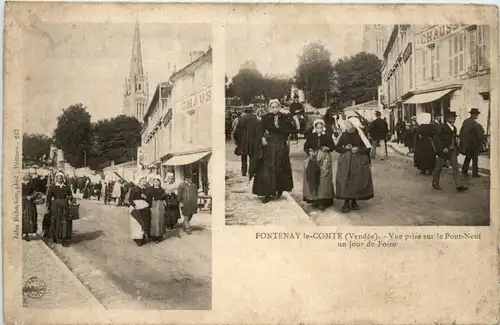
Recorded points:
(194, 55)
(353, 103)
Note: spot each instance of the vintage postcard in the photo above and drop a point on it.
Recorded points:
(250, 163)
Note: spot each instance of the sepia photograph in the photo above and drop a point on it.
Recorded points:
(358, 125)
(116, 165)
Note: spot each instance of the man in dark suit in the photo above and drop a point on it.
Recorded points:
(378, 132)
(445, 141)
(245, 135)
(471, 139)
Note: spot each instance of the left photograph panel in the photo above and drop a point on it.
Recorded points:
(116, 158)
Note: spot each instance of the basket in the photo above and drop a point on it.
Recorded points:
(74, 211)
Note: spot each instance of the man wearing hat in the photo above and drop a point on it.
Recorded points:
(296, 108)
(378, 132)
(245, 135)
(471, 139)
(445, 141)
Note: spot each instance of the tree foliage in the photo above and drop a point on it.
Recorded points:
(73, 134)
(247, 84)
(276, 87)
(115, 139)
(314, 72)
(35, 147)
(357, 78)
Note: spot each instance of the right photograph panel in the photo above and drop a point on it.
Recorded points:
(362, 125)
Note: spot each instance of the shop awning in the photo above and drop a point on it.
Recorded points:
(186, 159)
(427, 97)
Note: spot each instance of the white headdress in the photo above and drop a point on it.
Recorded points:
(274, 101)
(423, 118)
(354, 121)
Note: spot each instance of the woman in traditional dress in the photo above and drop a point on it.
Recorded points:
(425, 153)
(273, 173)
(354, 179)
(61, 224)
(30, 214)
(318, 171)
(172, 212)
(157, 196)
(140, 213)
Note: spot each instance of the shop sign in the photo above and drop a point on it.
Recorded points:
(195, 101)
(431, 35)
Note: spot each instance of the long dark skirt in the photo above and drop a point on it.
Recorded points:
(425, 156)
(409, 139)
(354, 177)
(172, 214)
(157, 219)
(30, 217)
(319, 190)
(61, 226)
(274, 172)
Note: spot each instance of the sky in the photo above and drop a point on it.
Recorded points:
(89, 62)
(275, 48)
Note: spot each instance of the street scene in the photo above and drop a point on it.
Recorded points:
(352, 129)
(116, 183)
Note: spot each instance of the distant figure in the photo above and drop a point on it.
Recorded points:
(188, 201)
(425, 152)
(378, 132)
(245, 135)
(471, 139)
(117, 192)
(172, 212)
(400, 126)
(29, 211)
(61, 225)
(446, 150)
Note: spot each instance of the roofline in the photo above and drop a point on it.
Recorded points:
(206, 54)
(392, 38)
(155, 98)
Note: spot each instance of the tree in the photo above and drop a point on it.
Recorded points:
(35, 147)
(276, 87)
(229, 88)
(357, 78)
(247, 84)
(73, 134)
(313, 73)
(115, 139)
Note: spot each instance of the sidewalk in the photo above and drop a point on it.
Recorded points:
(244, 208)
(483, 161)
(63, 289)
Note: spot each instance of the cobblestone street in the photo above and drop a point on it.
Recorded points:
(174, 274)
(403, 197)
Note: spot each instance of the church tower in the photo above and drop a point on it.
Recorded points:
(375, 39)
(136, 94)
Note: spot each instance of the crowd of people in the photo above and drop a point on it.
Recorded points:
(153, 209)
(263, 144)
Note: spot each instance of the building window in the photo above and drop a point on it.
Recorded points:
(435, 67)
(423, 54)
(456, 63)
(482, 41)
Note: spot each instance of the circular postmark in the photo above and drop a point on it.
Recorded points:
(34, 287)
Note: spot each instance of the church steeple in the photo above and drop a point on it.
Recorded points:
(136, 68)
(136, 95)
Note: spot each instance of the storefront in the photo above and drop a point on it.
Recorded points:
(451, 71)
(192, 123)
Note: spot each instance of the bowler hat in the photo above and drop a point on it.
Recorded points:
(474, 111)
(248, 109)
(451, 114)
